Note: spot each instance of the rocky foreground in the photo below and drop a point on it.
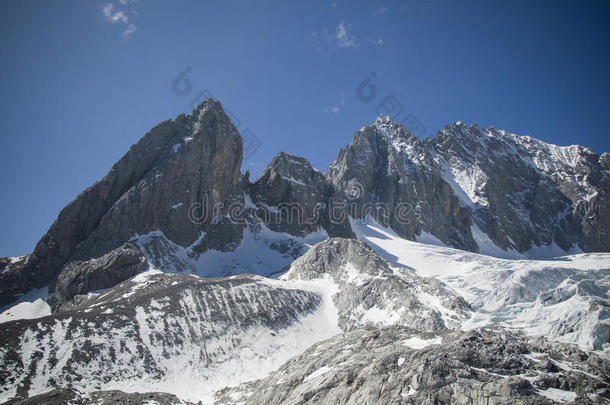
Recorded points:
(397, 365)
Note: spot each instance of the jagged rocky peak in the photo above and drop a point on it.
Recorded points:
(289, 175)
(296, 198)
(525, 193)
(151, 188)
(392, 130)
(515, 193)
(395, 179)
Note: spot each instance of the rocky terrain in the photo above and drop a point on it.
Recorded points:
(396, 365)
(177, 279)
(64, 396)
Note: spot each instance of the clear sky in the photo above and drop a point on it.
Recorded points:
(81, 81)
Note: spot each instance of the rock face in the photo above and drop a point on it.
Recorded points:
(469, 183)
(78, 277)
(398, 365)
(387, 172)
(293, 197)
(191, 162)
(524, 192)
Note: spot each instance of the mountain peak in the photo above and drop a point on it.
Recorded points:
(386, 126)
(209, 104)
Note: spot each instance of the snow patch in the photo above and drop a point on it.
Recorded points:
(418, 343)
(30, 306)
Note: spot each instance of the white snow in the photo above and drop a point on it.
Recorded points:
(558, 395)
(292, 180)
(429, 239)
(380, 316)
(418, 343)
(30, 306)
(254, 254)
(317, 373)
(16, 259)
(259, 353)
(512, 292)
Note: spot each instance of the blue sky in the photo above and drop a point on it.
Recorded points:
(81, 81)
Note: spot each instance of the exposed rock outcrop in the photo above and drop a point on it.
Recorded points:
(524, 192)
(386, 172)
(156, 329)
(293, 197)
(64, 396)
(469, 183)
(398, 365)
(80, 277)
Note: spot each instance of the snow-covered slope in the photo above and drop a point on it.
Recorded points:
(261, 251)
(566, 298)
(191, 336)
(157, 332)
(371, 292)
(30, 306)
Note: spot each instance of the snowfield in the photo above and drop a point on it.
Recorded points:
(565, 298)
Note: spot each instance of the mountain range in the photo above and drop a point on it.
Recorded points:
(470, 267)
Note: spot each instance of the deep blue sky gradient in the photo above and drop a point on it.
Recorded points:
(75, 94)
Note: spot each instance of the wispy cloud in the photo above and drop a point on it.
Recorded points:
(381, 11)
(378, 41)
(119, 16)
(417, 6)
(344, 36)
(338, 107)
(341, 37)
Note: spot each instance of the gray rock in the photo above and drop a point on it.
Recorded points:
(78, 278)
(520, 192)
(64, 396)
(386, 172)
(399, 366)
(533, 193)
(154, 328)
(293, 197)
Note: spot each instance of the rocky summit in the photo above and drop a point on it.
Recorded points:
(472, 267)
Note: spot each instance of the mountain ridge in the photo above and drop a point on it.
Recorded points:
(437, 188)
